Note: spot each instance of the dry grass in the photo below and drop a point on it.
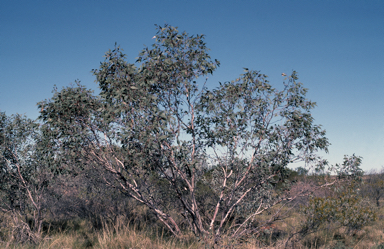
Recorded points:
(127, 234)
(120, 235)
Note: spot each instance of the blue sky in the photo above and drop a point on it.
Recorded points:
(337, 48)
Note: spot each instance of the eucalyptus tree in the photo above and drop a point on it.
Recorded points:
(26, 170)
(157, 133)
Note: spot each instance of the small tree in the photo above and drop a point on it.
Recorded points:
(301, 171)
(343, 206)
(373, 186)
(160, 136)
(25, 163)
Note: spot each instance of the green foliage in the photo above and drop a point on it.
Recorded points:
(350, 169)
(381, 246)
(301, 171)
(160, 136)
(16, 134)
(66, 117)
(26, 170)
(345, 208)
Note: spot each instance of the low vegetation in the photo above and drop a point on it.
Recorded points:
(159, 160)
(310, 222)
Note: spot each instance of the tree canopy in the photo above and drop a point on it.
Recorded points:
(206, 160)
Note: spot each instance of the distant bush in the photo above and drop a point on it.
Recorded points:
(345, 208)
(373, 187)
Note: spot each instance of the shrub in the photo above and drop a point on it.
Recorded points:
(345, 208)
